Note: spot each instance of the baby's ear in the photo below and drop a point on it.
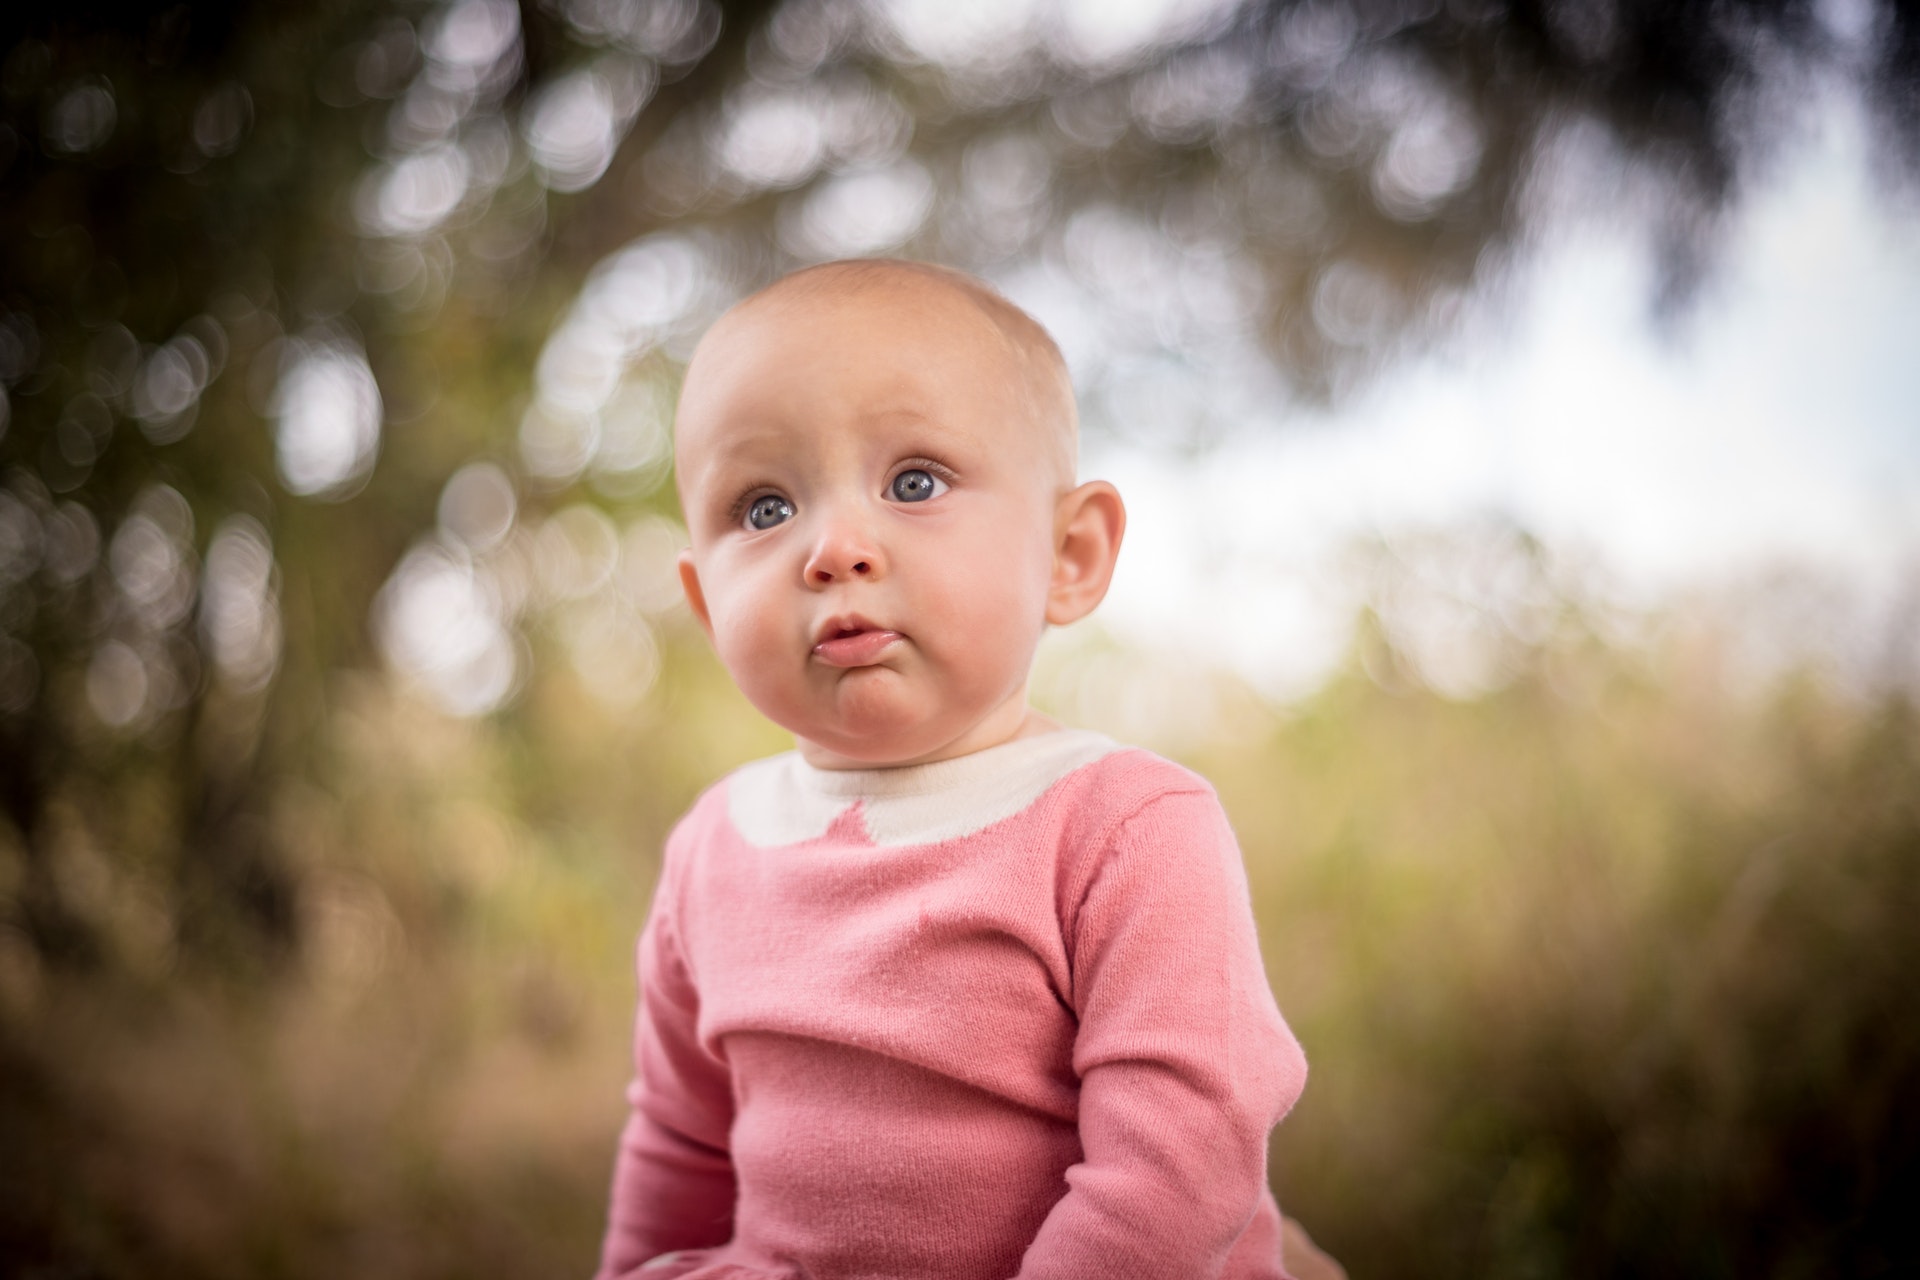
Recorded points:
(1088, 524)
(696, 598)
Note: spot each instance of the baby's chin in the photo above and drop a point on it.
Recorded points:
(876, 721)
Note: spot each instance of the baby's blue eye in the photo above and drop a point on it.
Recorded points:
(917, 486)
(769, 510)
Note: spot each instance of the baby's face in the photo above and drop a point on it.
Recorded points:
(872, 511)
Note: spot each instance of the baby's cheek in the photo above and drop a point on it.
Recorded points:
(990, 628)
(774, 694)
(1004, 587)
(746, 647)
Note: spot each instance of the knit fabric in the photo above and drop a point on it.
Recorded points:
(996, 1016)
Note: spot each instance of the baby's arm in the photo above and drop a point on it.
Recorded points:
(1183, 1059)
(673, 1183)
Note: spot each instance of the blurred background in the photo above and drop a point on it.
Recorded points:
(1515, 401)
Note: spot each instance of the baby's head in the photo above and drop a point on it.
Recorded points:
(876, 460)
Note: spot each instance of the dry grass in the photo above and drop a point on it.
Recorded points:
(1610, 972)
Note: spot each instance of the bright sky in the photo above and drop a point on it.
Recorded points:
(1778, 422)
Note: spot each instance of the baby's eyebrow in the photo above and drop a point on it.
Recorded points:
(759, 449)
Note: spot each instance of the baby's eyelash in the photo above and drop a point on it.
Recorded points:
(940, 469)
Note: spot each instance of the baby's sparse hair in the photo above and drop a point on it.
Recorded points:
(1048, 386)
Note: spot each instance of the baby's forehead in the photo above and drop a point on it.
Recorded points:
(926, 319)
(916, 333)
(819, 298)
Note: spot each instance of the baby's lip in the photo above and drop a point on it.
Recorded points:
(852, 642)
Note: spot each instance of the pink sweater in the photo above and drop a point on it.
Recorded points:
(1002, 1015)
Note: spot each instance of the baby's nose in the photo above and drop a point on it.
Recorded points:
(843, 553)
(857, 568)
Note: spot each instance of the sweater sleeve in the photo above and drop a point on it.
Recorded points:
(1183, 1059)
(673, 1181)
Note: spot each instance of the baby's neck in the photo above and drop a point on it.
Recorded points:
(1008, 725)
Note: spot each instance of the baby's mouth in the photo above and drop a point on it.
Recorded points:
(854, 645)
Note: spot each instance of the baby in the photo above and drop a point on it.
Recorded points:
(950, 992)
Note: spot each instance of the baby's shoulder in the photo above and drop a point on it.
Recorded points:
(1121, 784)
(706, 815)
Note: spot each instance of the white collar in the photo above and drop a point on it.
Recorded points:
(784, 800)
